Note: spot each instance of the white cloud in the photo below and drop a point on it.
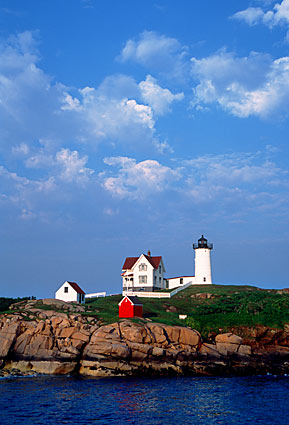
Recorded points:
(24, 193)
(34, 107)
(137, 180)
(73, 167)
(235, 179)
(158, 98)
(157, 52)
(110, 212)
(65, 165)
(253, 85)
(57, 176)
(252, 15)
(239, 181)
(20, 150)
(118, 120)
(279, 14)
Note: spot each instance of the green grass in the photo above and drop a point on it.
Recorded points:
(229, 306)
(105, 308)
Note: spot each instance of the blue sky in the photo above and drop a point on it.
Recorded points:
(128, 126)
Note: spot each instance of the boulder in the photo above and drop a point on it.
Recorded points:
(210, 350)
(171, 309)
(66, 332)
(156, 333)
(202, 296)
(8, 334)
(245, 350)
(182, 336)
(228, 338)
(226, 348)
(133, 332)
(158, 352)
(106, 332)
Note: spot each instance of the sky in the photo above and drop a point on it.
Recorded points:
(141, 125)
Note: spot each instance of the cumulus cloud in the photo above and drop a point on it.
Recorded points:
(56, 175)
(33, 106)
(251, 15)
(157, 52)
(241, 181)
(118, 120)
(278, 15)
(65, 165)
(137, 180)
(244, 86)
(158, 98)
(73, 167)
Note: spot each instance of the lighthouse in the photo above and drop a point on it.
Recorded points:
(203, 274)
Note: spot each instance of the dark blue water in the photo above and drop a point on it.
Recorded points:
(205, 400)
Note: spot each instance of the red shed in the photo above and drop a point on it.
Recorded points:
(129, 307)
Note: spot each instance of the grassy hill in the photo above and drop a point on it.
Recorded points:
(209, 307)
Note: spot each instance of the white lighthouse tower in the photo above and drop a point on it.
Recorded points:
(203, 274)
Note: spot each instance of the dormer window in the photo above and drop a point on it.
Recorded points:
(142, 267)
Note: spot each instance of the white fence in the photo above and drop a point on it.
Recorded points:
(96, 295)
(181, 288)
(143, 294)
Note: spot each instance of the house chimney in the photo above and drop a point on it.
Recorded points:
(149, 253)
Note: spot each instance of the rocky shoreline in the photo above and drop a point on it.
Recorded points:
(53, 342)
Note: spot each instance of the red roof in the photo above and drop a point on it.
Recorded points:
(130, 262)
(155, 261)
(133, 300)
(76, 287)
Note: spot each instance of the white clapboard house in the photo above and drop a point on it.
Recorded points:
(70, 292)
(143, 273)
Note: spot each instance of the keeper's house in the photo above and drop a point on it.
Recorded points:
(129, 307)
(70, 292)
(144, 273)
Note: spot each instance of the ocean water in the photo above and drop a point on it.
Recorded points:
(144, 401)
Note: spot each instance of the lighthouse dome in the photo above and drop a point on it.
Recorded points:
(203, 243)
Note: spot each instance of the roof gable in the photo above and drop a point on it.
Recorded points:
(129, 263)
(154, 261)
(132, 299)
(75, 286)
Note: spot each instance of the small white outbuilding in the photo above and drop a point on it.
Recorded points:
(70, 292)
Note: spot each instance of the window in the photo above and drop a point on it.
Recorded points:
(160, 269)
(204, 279)
(66, 289)
(143, 279)
(142, 267)
(167, 284)
(181, 280)
(160, 279)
